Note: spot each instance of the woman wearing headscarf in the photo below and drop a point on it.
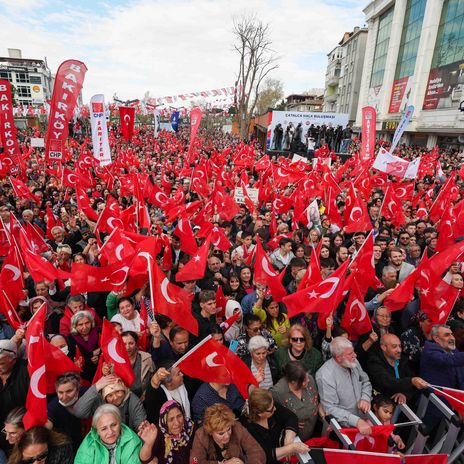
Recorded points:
(233, 331)
(173, 439)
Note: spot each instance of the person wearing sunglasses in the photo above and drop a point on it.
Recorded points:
(39, 445)
(273, 426)
(298, 346)
(253, 326)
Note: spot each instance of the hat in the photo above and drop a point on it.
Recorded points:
(65, 248)
(113, 387)
(8, 346)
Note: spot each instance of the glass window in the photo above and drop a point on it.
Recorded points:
(410, 37)
(381, 48)
(449, 46)
(22, 77)
(5, 75)
(36, 79)
(23, 91)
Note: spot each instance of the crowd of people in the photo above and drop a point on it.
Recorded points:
(307, 365)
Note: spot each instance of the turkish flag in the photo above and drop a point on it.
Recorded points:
(220, 302)
(22, 191)
(392, 207)
(228, 323)
(426, 459)
(116, 249)
(56, 363)
(195, 268)
(355, 319)
(184, 231)
(332, 211)
(195, 119)
(356, 216)
(11, 278)
(126, 115)
(402, 294)
(332, 456)
(114, 352)
(41, 269)
(171, 300)
(322, 298)
(376, 442)
(143, 339)
(282, 204)
(217, 236)
(454, 397)
(263, 268)
(437, 298)
(36, 401)
(363, 264)
(36, 241)
(312, 275)
(212, 361)
(447, 230)
(110, 217)
(85, 278)
(397, 168)
(246, 198)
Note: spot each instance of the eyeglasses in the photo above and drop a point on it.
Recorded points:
(12, 434)
(255, 330)
(38, 458)
(298, 339)
(4, 350)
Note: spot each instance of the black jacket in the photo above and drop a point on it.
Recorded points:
(382, 376)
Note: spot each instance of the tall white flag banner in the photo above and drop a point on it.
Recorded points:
(401, 127)
(101, 147)
(413, 168)
(156, 122)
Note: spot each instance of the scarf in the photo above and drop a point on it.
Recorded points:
(174, 443)
(182, 393)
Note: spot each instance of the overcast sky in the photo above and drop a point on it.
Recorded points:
(176, 46)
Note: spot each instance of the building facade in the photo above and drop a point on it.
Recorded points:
(305, 102)
(415, 56)
(32, 79)
(344, 74)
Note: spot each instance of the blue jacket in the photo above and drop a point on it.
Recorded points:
(440, 367)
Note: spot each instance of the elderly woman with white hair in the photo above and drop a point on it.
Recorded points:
(85, 336)
(261, 363)
(112, 442)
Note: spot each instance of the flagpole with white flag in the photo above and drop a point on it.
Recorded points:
(195, 348)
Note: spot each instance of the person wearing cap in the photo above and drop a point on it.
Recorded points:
(14, 380)
(111, 389)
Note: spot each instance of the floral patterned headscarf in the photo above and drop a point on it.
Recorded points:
(174, 443)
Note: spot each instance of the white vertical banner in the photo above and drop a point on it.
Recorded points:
(401, 127)
(101, 147)
(156, 122)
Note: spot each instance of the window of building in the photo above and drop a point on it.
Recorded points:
(35, 80)
(5, 75)
(23, 91)
(410, 37)
(381, 48)
(22, 77)
(449, 46)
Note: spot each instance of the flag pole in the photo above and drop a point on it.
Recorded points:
(437, 388)
(186, 355)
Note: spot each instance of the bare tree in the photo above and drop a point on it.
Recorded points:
(271, 92)
(257, 60)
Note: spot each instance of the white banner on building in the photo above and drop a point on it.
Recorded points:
(101, 147)
(296, 124)
(156, 122)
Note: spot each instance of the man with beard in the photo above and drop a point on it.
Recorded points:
(68, 391)
(441, 363)
(346, 405)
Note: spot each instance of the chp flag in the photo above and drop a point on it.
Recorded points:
(68, 84)
(369, 117)
(101, 147)
(11, 154)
